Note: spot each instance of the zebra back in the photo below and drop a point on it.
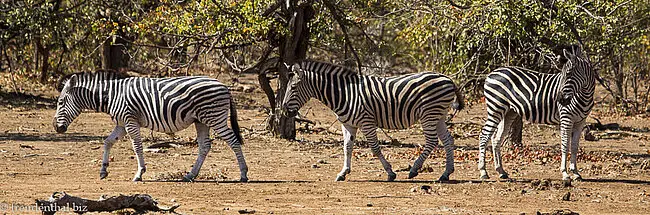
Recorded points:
(102, 74)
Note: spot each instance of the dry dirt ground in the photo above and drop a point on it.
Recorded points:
(297, 177)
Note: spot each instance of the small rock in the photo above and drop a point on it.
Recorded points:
(337, 200)
(425, 188)
(315, 166)
(321, 161)
(246, 211)
(173, 200)
(566, 197)
(369, 204)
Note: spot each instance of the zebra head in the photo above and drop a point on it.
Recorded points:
(67, 107)
(295, 96)
(578, 76)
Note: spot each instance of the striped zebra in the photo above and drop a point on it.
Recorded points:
(369, 102)
(564, 98)
(161, 104)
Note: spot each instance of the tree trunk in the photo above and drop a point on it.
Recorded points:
(41, 60)
(293, 47)
(45, 67)
(114, 54)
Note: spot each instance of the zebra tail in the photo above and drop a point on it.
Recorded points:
(233, 122)
(459, 104)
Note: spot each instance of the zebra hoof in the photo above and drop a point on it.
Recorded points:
(444, 178)
(484, 177)
(103, 175)
(136, 179)
(243, 179)
(413, 174)
(340, 178)
(504, 176)
(392, 176)
(577, 177)
(188, 179)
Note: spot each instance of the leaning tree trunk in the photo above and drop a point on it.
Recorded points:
(292, 47)
(114, 54)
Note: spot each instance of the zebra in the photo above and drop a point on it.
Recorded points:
(370, 102)
(161, 104)
(564, 98)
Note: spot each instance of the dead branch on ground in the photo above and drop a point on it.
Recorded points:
(141, 203)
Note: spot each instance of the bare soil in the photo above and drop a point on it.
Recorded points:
(297, 177)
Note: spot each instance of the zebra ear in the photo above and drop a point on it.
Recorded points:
(73, 80)
(295, 68)
(570, 58)
(568, 55)
(63, 80)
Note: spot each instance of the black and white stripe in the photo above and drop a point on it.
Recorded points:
(161, 104)
(564, 98)
(370, 102)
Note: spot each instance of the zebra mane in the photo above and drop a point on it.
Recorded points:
(312, 65)
(102, 74)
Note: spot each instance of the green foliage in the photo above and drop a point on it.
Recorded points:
(388, 36)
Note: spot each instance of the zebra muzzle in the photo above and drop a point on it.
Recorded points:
(61, 129)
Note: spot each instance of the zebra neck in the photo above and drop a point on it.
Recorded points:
(102, 94)
(335, 91)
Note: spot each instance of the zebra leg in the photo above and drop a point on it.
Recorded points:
(228, 135)
(118, 132)
(134, 132)
(577, 131)
(371, 134)
(431, 139)
(486, 133)
(448, 143)
(497, 140)
(349, 134)
(203, 139)
(565, 127)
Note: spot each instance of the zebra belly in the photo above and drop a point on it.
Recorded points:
(165, 125)
(177, 126)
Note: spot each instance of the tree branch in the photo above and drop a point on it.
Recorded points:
(344, 28)
(452, 3)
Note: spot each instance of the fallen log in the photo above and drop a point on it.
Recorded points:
(141, 203)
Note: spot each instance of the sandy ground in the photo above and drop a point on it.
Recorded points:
(287, 177)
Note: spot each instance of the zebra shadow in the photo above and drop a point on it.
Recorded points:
(233, 181)
(70, 137)
(451, 181)
(517, 180)
(624, 181)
